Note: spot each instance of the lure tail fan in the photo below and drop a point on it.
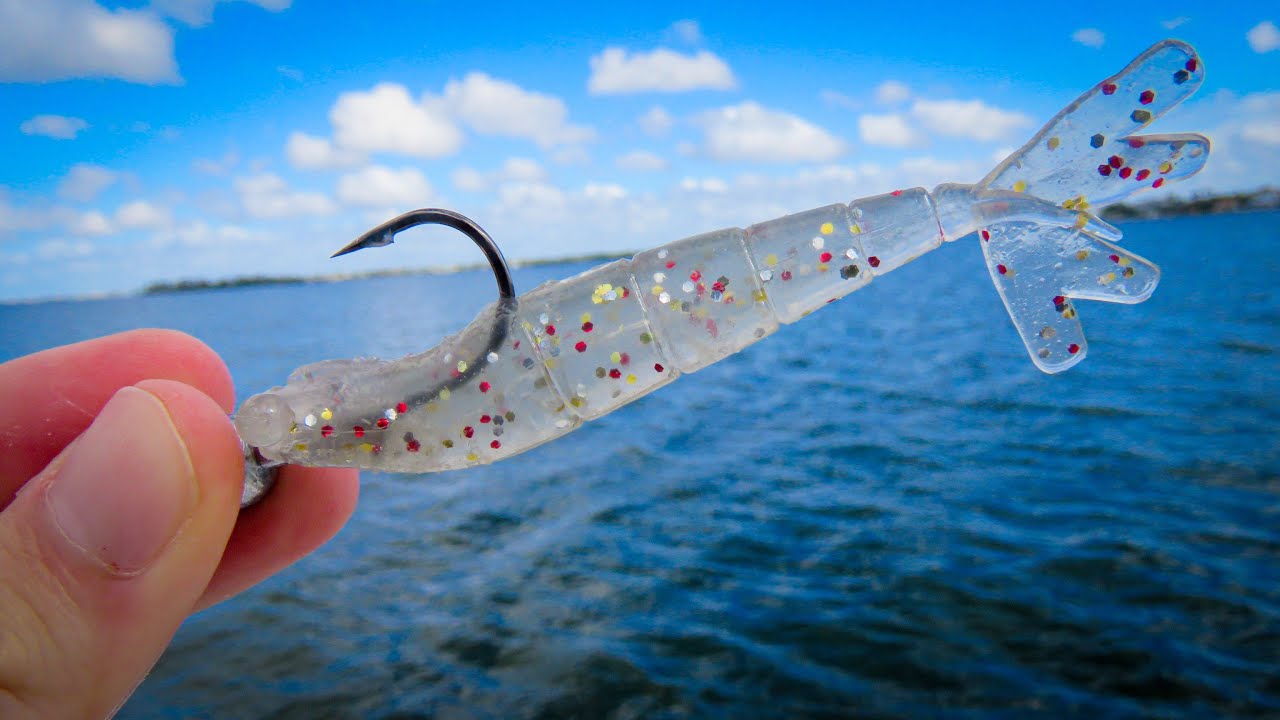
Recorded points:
(1085, 158)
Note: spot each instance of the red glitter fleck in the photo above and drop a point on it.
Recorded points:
(624, 358)
(1108, 88)
(1104, 170)
(516, 346)
(1115, 161)
(413, 446)
(1115, 258)
(468, 431)
(580, 346)
(359, 431)
(657, 367)
(587, 326)
(383, 423)
(625, 293)
(786, 275)
(1147, 96)
(873, 261)
(825, 257)
(1073, 348)
(1157, 183)
(1136, 142)
(1002, 269)
(484, 386)
(1125, 172)
(615, 373)
(1192, 64)
(485, 419)
(551, 329)
(671, 264)
(1143, 174)
(896, 193)
(986, 236)
(695, 276)
(377, 448)
(402, 408)
(326, 431)
(1058, 300)
(717, 286)
(495, 444)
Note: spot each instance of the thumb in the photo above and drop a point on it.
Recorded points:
(105, 552)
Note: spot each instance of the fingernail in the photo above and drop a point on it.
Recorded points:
(127, 486)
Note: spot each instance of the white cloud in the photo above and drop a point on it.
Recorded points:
(267, 196)
(892, 92)
(62, 39)
(641, 160)
(971, 119)
(198, 13)
(656, 122)
(91, 223)
(58, 127)
(514, 170)
(709, 184)
(891, 130)
(308, 152)
(571, 155)
(1089, 37)
(614, 71)
(142, 215)
(62, 249)
(386, 119)
(497, 107)
(604, 191)
(840, 100)
(1175, 22)
(85, 181)
(1264, 37)
(750, 132)
(378, 186)
(1265, 131)
(685, 31)
(218, 166)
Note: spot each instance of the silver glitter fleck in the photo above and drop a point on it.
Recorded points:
(544, 319)
(659, 277)
(851, 254)
(309, 421)
(664, 298)
(391, 414)
(492, 357)
(688, 286)
(662, 254)
(766, 275)
(562, 423)
(817, 242)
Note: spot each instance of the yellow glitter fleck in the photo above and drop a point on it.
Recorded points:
(365, 447)
(472, 457)
(827, 228)
(1069, 203)
(550, 363)
(615, 356)
(300, 446)
(1082, 219)
(1054, 142)
(770, 259)
(1107, 279)
(631, 379)
(760, 296)
(586, 317)
(1081, 203)
(462, 366)
(575, 401)
(293, 428)
(1069, 313)
(444, 394)
(823, 267)
(327, 414)
(856, 228)
(657, 290)
(1082, 255)
(433, 407)
(1166, 166)
(603, 289)
(1124, 262)
(447, 443)
(1020, 186)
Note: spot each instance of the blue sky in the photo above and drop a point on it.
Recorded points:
(183, 139)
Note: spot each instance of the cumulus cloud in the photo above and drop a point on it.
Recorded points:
(58, 127)
(891, 130)
(514, 170)
(308, 152)
(62, 39)
(1264, 37)
(387, 119)
(198, 13)
(707, 184)
(971, 119)
(604, 191)
(641, 160)
(615, 71)
(1089, 37)
(892, 92)
(378, 186)
(1172, 23)
(142, 215)
(268, 196)
(685, 31)
(750, 132)
(85, 181)
(91, 223)
(216, 166)
(656, 122)
(496, 107)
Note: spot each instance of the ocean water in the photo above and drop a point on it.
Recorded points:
(882, 511)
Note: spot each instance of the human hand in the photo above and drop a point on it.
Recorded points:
(120, 479)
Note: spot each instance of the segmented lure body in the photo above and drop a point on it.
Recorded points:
(579, 348)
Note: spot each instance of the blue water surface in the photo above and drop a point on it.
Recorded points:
(884, 510)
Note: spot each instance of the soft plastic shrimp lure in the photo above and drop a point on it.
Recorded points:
(529, 370)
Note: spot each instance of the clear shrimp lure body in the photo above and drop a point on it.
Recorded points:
(531, 369)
